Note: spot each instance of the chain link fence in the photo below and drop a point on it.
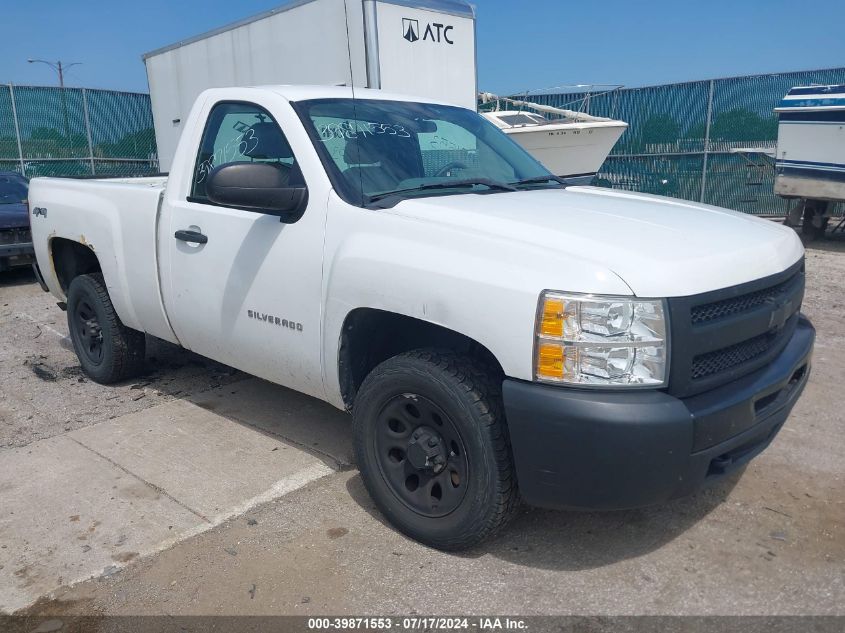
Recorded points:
(686, 140)
(76, 132)
(691, 140)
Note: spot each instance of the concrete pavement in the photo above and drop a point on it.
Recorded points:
(87, 502)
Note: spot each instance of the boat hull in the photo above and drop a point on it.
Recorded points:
(569, 150)
(810, 160)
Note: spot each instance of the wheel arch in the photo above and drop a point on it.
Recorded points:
(370, 336)
(70, 259)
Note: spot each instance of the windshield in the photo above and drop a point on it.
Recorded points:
(12, 190)
(381, 152)
(521, 119)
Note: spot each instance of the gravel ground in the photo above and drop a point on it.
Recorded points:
(43, 390)
(768, 541)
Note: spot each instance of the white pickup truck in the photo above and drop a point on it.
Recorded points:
(497, 335)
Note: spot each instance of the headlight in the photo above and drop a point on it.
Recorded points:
(600, 341)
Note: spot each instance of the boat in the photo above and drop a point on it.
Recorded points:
(810, 155)
(573, 145)
(810, 158)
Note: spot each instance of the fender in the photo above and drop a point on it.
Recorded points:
(438, 274)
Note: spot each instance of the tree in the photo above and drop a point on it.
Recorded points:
(741, 124)
(46, 134)
(140, 144)
(661, 128)
(658, 130)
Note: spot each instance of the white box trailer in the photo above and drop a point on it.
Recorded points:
(423, 47)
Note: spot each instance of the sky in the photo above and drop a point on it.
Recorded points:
(521, 45)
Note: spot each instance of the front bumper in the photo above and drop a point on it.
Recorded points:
(607, 450)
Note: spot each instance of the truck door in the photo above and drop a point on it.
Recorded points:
(242, 287)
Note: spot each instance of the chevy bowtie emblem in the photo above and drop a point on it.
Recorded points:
(780, 315)
(410, 29)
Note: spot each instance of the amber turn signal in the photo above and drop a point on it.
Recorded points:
(551, 323)
(551, 359)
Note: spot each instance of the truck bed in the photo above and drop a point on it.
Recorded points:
(117, 218)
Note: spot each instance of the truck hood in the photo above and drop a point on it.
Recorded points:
(660, 247)
(13, 216)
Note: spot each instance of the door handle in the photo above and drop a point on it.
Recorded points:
(190, 236)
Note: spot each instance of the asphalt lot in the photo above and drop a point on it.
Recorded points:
(200, 490)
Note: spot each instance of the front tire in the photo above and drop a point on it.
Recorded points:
(108, 351)
(433, 450)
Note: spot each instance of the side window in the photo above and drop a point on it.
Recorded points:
(241, 132)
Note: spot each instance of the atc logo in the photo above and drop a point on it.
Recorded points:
(435, 32)
(410, 29)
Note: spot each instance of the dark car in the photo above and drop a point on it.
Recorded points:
(15, 236)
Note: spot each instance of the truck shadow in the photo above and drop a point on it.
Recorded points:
(292, 417)
(17, 277)
(575, 541)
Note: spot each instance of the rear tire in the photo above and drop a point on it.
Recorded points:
(108, 351)
(427, 410)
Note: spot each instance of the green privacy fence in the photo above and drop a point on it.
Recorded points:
(692, 140)
(76, 132)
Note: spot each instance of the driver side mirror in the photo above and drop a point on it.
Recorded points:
(258, 187)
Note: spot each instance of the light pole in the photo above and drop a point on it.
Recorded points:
(57, 66)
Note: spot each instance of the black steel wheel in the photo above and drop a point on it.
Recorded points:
(432, 446)
(422, 455)
(108, 351)
(88, 331)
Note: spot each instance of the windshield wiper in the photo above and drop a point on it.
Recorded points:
(538, 180)
(464, 182)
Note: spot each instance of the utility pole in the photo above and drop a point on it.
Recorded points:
(57, 66)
